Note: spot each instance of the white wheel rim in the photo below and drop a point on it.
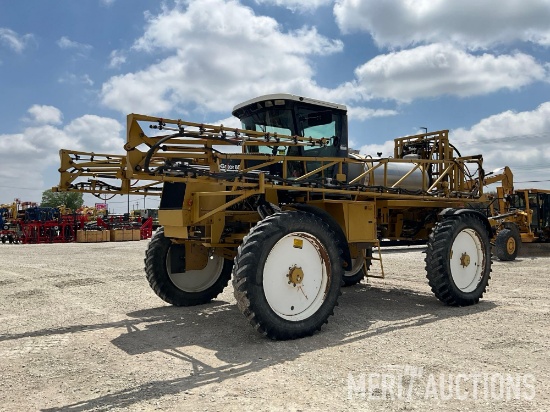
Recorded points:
(467, 260)
(196, 280)
(356, 266)
(296, 303)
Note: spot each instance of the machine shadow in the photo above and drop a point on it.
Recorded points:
(221, 328)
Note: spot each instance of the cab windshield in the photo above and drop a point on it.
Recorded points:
(310, 123)
(279, 121)
(316, 124)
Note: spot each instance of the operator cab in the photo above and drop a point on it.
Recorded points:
(296, 116)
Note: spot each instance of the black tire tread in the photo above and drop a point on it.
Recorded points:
(246, 263)
(155, 272)
(438, 277)
(501, 241)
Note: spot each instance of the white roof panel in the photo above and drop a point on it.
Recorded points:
(286, 96)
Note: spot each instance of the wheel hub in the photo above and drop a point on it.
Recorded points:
(511, 245)
(469, 261)
(295, 275)
(464, 260)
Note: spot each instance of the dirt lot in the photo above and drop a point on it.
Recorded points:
(81, 330)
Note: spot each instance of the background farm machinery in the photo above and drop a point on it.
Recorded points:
(59, 225)
(35, 225)
(516, 215)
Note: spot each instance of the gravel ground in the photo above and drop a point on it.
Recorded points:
(81, 330)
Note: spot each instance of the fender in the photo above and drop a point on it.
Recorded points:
(334, 226)
(449, 212)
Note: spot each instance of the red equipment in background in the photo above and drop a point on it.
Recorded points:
(146, 229)
(28, 223)
(61, 230)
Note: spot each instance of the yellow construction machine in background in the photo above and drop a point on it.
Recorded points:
(517, 215)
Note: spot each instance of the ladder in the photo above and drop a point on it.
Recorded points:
(371, 259)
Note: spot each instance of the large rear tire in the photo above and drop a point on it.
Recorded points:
(287, 275)
(458, 260)
(188, 288)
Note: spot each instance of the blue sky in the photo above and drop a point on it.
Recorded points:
(71, 70)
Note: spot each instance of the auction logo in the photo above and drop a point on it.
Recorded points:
(406, 383)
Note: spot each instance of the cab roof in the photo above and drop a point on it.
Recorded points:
(286, 96)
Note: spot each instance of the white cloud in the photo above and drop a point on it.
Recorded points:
(72, 78)
(13, 40)
(66, 43)
(515, 139)
(222, 53)
(385, 148)
(232, 122)
(45, 114)
(95, 133)
(440, 69)
(363, 113)
(297, 5)
(508, 126)
(117, 59)
(33, 154)
(472, 23)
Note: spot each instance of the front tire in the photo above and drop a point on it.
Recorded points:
(287, 275)
(188, 288)
(507, 243)
(458, 260)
